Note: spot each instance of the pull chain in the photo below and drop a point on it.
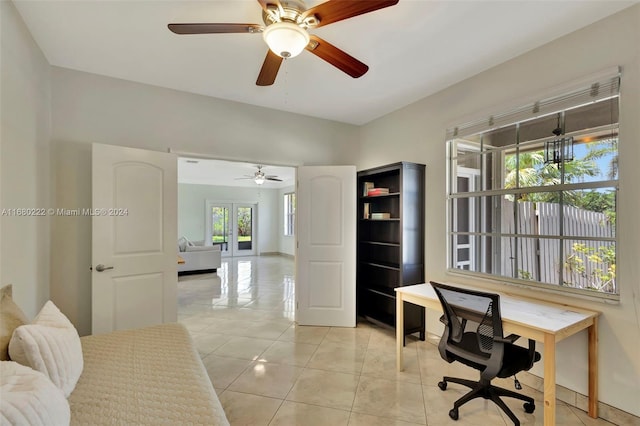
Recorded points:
(286, 86)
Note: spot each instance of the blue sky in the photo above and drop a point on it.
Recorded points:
(579, 152)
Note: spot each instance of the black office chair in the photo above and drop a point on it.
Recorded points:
(473, 336)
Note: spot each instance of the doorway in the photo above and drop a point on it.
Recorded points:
(465, 218)
(232, 226)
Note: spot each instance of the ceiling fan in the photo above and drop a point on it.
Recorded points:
(285, 31)
(259, 177)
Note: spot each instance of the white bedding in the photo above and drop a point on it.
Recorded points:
(151, 376)
(28, 397)
(50, 345)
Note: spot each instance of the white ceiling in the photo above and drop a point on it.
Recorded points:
(413, 49)
(227, 173)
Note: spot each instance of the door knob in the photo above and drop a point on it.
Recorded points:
(101, 267)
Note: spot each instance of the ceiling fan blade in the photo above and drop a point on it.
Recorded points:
(273, 178)
(215, 28)
(269, 69)
(338, 10)
(336, 57)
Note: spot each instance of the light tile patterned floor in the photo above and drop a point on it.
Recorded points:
(269, 371)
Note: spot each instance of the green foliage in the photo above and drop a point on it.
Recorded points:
(528, 169)
(220, 223)
(598, 266)
(595, 266)
(604, 149)
(531, 171)
(244, 221)
(524, 275)
(597, 201)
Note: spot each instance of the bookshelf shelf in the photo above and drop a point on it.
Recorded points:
(382, 265)
(391, 250)
(393, 194)
(380, 243)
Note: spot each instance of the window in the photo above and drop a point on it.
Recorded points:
(532, 194)
(289, 213)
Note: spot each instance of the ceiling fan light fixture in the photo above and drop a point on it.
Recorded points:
(259, 179)
(285, 39)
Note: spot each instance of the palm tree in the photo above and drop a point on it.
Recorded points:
(604, 149)
(528, 169)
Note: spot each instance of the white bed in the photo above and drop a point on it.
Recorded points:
(150, 376)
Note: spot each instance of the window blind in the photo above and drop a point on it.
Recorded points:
(598, 90)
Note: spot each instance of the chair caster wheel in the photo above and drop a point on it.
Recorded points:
(453, 414)
(442, 385)
(529, 407)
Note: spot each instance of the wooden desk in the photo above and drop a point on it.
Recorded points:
(543, 322)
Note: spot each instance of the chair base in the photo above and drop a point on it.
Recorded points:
(484, 389)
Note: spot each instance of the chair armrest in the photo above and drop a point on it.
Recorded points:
(534, 356)
(511, 338)
(508, 339)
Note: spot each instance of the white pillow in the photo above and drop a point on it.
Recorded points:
(182, 243)
(50, 345)
(29, 398)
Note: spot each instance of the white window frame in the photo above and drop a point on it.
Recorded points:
(289, 214)
(453, 171)
(471, 175)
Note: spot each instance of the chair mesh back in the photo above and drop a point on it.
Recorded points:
(470, 311)
(485, 330)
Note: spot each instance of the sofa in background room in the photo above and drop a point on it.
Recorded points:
(198, 257)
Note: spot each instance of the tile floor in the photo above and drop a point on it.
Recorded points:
(269, 371)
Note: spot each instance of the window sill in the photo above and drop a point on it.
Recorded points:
(533, 286)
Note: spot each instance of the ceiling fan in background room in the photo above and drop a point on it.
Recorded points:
(285, 31)
(259, 177)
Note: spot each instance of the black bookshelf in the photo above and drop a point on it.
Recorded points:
(391, 244)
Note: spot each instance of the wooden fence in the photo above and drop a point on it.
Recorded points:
(539, 258)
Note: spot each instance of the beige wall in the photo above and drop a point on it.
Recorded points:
(24, 161)
(88, 108)
(417, 133)
(192, 199)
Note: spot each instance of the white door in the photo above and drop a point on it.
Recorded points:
(326, 246)
(465, 218)
(134, 246)
(232, 226)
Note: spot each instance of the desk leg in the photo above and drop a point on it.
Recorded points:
(399, 331)
(592, 332)
(549, 380)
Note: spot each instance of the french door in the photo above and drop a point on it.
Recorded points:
(232, 226)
